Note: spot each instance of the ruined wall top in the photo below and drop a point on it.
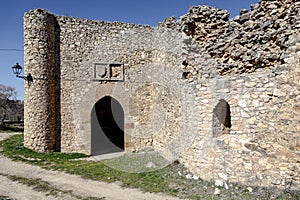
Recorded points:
(255, 39)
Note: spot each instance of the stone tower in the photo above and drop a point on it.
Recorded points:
(41, 44)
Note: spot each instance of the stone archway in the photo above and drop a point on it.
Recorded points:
(107, 127)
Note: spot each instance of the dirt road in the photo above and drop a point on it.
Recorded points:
(59, 185)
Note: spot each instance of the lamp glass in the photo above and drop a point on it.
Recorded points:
(17, 69)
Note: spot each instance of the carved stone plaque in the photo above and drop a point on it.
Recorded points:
(108, 71)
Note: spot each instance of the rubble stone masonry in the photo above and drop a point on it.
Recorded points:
(220, 95)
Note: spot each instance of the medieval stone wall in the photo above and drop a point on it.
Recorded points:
(220, 95)
(79, 39)
(255, 39)
(264, 105)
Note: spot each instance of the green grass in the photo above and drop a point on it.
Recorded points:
(165, 180)
(46, 188)
(37, 184)
(138, 162)
(14, 148)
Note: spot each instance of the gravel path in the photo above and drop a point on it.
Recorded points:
(68, 186)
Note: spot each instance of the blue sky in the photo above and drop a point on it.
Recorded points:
(133, 11)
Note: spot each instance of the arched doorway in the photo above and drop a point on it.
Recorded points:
(107, 121)
(221, 119)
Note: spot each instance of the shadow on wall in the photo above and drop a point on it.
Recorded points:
(221, 119)
(107, 121)
(58, 87)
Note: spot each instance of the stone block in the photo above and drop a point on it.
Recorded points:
(279, 93)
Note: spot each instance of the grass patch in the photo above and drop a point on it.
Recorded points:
(138, 162)
(36, 184)
(46, 188)
(170, 179)
(14, 148)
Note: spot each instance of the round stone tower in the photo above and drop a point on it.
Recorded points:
(41, 102)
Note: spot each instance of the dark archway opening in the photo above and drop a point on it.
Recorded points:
(221, 118)
(107, 121)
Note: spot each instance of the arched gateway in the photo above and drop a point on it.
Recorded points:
(107, 126)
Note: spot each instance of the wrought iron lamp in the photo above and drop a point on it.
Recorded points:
(17, 69)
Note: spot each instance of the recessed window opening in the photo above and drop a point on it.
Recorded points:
(221, 118)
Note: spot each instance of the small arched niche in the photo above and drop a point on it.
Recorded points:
(221, 119)
(107, 131)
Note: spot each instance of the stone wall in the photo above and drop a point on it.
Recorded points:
(255, 39)
(220, 95)
(263, 144)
